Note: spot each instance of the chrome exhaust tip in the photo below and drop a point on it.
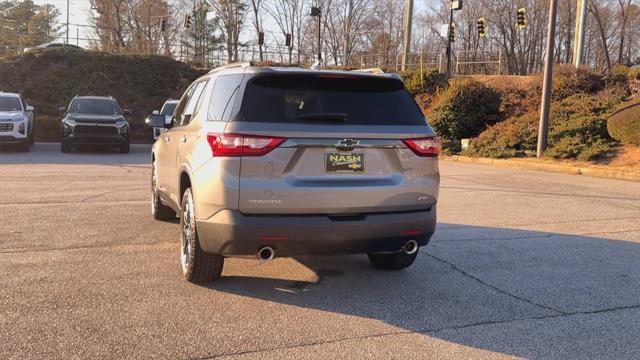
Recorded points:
(410, 247)
(266, 253)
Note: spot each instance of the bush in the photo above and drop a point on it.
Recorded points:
(567, 81)
(618, 74)
(463, 110)
(510, 138)
(49, 78)
(624, 125)
(577, 130)
(634, 79)
(432, 81)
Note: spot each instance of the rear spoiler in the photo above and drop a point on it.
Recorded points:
(378, 71)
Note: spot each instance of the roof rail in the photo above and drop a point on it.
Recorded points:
(375, 71)
(232, 65)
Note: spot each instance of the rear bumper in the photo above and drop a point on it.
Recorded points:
(231, 233)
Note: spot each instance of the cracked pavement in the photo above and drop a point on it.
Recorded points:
(523, 264)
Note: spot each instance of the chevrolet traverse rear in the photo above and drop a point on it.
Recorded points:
(276, 162)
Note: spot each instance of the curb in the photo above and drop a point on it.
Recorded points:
(557, 168)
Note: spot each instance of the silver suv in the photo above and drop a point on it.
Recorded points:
(266, 162)
(16, 121)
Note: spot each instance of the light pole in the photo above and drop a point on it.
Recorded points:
(547, 81)
(455, 5)
(67, 42)
(317, 12)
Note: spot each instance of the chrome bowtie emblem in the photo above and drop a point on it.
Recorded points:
(347, 144)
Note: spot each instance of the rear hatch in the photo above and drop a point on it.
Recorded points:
(341, 144)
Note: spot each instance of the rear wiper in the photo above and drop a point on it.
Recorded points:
(324, 117)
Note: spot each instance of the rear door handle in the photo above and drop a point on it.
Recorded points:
(184, 138)
(167, 138)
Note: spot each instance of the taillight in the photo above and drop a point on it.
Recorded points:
(428, 146)
(242, 145)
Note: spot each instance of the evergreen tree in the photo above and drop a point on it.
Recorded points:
(200, 38)
(23, 23)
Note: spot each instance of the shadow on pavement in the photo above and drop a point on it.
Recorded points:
(469, 279)
(49, 153)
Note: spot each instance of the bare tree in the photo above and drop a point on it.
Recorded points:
(232, 14)
(256, 6)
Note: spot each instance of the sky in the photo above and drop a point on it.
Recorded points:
(80, 10)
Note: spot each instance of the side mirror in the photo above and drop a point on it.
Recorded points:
(30, 108)
(155, 121)
(62, 109)
(126, 112)
(155, 112)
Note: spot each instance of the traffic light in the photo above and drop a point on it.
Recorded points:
(187, 21)
(522, 21)
(452, 33)
(260, 38)
(163, 24)
(287, 40)
(482, 27)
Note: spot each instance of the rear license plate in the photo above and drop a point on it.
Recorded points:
(346, 163)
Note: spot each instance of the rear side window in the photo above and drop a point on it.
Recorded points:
(168, 108)
(194, 101)
(223, 96)
(293, 98)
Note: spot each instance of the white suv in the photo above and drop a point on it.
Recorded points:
(16, 121)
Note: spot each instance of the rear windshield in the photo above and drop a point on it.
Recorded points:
(10, 103)
(338, 99)
(95, 107)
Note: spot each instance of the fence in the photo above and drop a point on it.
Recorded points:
(463, 62)
(478, 62)
(414, 61)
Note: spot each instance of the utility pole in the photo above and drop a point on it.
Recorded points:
(547, 81)
(347, 30)
(578, 42)
(455, 5)
(67, 42)
(406, 41)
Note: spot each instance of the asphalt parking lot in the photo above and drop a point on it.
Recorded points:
(523, 264)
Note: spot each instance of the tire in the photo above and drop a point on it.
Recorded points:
(392, 261)
(159, 211)
(124, 149)
(24, 146)
(197, 266)
(65, 147)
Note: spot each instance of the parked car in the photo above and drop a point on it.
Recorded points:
(52, 45)
(167, 110)
(94, 120)
(270, 162)
(17, 121)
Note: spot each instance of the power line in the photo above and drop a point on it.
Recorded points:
(44, 20)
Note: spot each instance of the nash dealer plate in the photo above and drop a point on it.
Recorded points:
(343, 162)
